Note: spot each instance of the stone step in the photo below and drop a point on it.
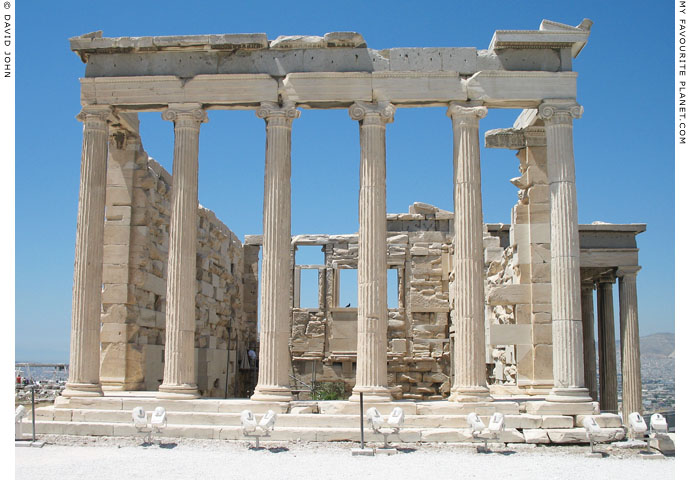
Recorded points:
(301, 420)
(605, 420)
(437, 421)
(562, 408)
(309, 434)
(340, 407)
(480, 408)
(321, 434)
(150, 403)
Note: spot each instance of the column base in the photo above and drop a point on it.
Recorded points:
(470, 394)
(178, 392)
(569, 395)
(122, 387)
(541, 407)
(82, 390)
(539, 390)
(371, 394)
(271, 393)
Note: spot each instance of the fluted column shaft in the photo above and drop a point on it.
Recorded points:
(372, 305)
(608, 380)
(88, 257)
(630, 341)
(589, 348)
(568, 360)
(274, 356)
(179, 373)
(468, 261)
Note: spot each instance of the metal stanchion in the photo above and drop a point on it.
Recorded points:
(20, 441)
(361, 450)
(33, 413)
(361, 421)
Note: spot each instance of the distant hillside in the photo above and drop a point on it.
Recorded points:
(658, 345)
(655, 345)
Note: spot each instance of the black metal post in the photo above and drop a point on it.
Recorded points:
(33, 413)
(313, 375)
(361, 420)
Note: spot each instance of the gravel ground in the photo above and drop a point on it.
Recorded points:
(67, 457)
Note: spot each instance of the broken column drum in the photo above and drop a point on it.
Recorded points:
(274, 357)
(179, 379)
(372, 306)
(468, 260)
(88, 263)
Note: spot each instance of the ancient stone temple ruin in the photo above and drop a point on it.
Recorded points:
(489, 317)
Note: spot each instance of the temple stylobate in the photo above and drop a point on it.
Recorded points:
(486, 314)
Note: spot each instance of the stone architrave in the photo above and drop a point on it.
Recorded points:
(589, 348)
(372, 306)
(468, 262)
(608, 380)
(568, 364)
(84, 360)
(274, 356)
(179, 373)
(630, 341)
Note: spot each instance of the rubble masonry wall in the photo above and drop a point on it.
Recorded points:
(136, 240)
(419, 248)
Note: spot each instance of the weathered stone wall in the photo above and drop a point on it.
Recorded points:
(519, 282)
(324, 339)
(134, 278)
(420, 330)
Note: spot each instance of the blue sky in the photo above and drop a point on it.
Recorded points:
(623, 143)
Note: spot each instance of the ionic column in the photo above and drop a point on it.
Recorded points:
(468, 262)
(608, 380)
(179, 374)
(630, 341)
(590, 355)
(84, 357)
(568, 361)
(372, 305)
(274, 356)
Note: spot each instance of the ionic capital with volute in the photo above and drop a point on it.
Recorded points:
(626, 271)
(607, 278)
(95, 116)
(372, 113)
(190, 115)
(466, 113)
(278, 114)
(555, 111)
